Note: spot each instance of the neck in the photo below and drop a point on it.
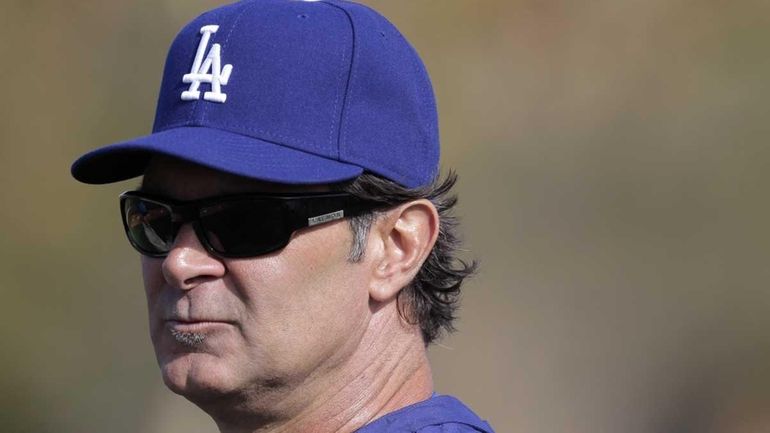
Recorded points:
(386, 372)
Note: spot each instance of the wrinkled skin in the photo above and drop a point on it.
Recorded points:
(296, 340)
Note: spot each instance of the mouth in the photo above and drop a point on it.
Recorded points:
(195, 326)
(192, 333)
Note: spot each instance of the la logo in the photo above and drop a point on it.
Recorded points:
(209, 70)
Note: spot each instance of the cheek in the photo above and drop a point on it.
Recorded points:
(316, 273)
(307, 298)
(152, 276)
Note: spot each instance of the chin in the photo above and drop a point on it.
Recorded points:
(197, 376)
(207, 382)
(192, 366)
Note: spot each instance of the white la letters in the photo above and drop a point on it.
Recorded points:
(199, 73)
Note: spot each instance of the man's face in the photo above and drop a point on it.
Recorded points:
(257, 325)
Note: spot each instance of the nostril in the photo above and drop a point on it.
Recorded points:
(302, 16)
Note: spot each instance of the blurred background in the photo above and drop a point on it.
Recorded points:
(613, 157)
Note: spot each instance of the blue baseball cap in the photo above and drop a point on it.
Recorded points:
(287, 91)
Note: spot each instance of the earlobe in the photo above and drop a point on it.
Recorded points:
(408, 234)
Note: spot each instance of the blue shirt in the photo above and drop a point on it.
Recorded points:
(438, 414)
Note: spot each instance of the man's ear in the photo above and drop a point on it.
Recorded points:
(406, 234)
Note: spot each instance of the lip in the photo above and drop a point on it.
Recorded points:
(196, 325)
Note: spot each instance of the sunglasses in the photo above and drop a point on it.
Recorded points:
(236, 226)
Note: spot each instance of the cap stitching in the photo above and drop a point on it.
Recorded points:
(350, 88)
(382, 166)
(337, 99)
(343, 112)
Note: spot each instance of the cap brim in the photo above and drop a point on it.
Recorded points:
(224, 151)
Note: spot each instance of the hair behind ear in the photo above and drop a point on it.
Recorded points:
(431, 299)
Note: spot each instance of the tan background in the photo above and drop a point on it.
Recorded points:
(614, 170)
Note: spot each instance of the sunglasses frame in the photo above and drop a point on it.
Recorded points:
(300, 211)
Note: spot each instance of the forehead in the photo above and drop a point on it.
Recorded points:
(182, 180)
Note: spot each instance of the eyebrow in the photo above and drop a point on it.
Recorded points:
(141, 187)
(153, 188)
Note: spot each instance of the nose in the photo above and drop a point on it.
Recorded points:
(188, 264)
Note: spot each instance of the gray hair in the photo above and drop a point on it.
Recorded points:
(432, 297)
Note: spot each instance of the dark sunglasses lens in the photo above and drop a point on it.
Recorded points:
(148, 225)
(245, 228)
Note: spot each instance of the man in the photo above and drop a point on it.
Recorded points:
(297, 251)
